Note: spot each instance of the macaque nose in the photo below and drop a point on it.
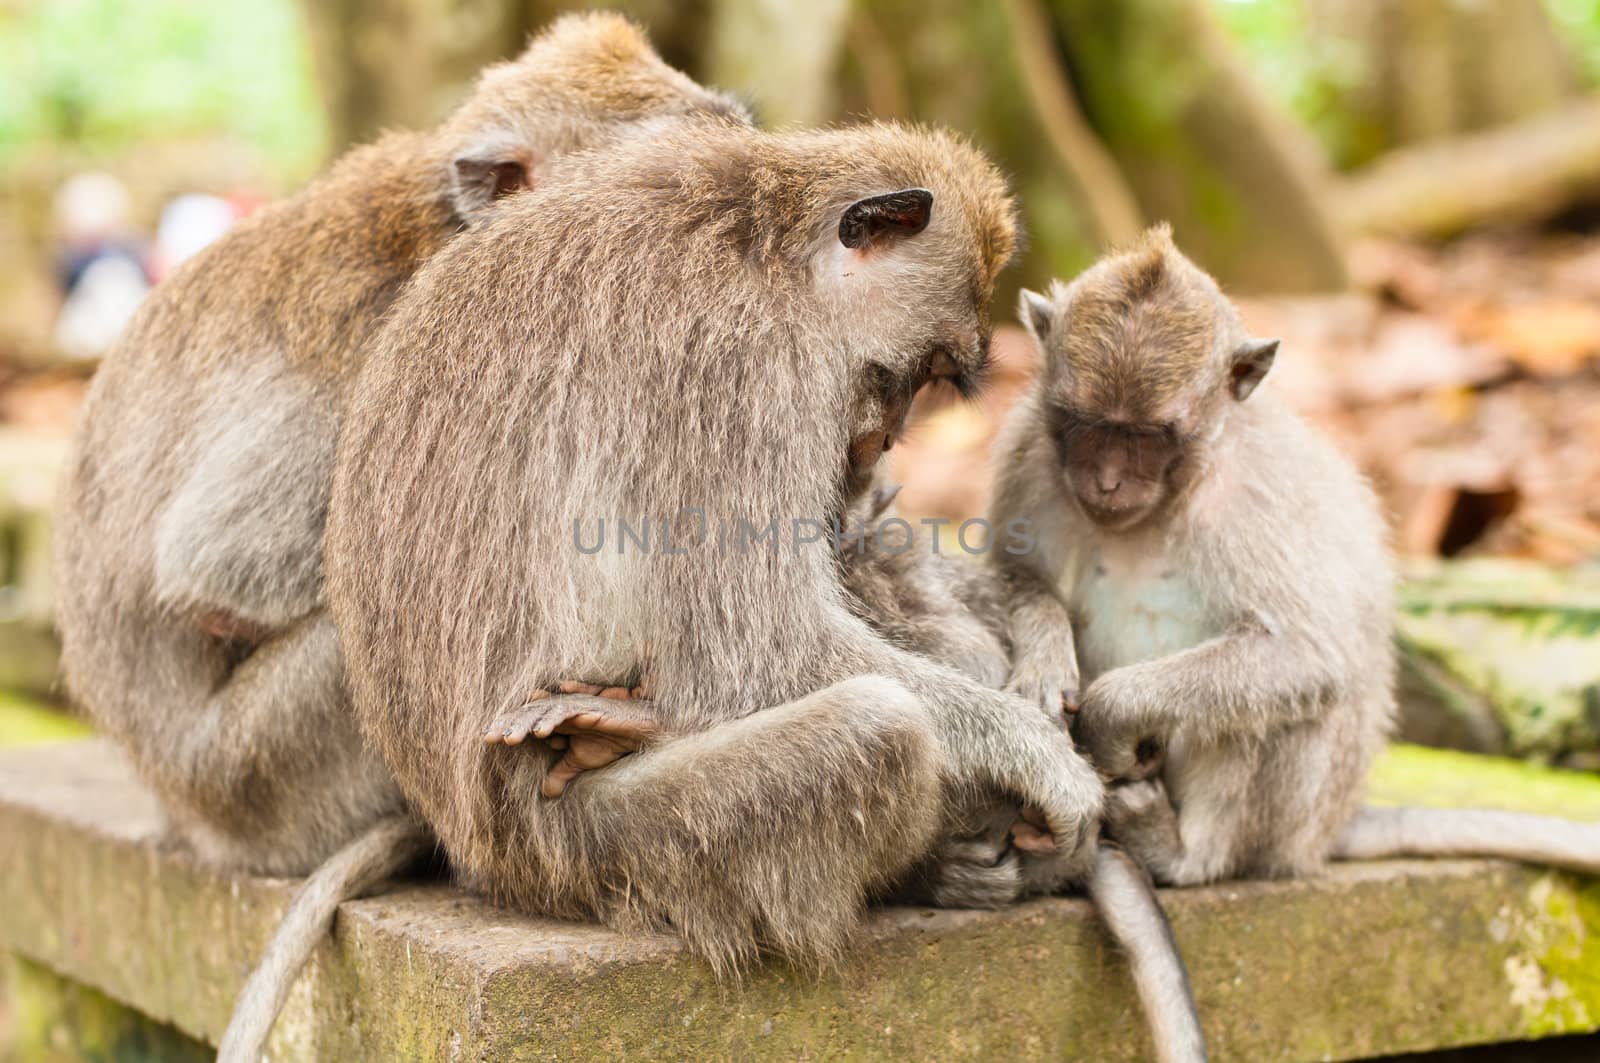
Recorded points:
(1107, 481)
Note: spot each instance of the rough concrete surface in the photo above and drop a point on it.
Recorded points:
(1368, 959)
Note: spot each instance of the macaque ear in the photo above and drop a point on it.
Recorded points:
(483, 179)
(1251, 360)
(1033, 310)
(876, 220)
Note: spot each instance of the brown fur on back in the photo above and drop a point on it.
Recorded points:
(199, 484)
(673, 325)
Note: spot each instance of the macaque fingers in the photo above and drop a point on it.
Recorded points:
(558, 718)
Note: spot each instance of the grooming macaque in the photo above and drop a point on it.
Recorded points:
(751, 313)
(1211, 585)
(989, 854)
(189, 560)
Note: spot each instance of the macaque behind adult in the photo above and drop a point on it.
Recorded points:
(751, 314)
(1214, 577)
(189, 558)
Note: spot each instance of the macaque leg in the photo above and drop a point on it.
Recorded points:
(973, 865)
(239, 752)
(771, 829)
(1178, 850)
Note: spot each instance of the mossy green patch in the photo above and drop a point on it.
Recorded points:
(1440, 778)
(1554, 978)
(59, 1019)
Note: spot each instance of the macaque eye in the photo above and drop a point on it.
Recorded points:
(942, 366)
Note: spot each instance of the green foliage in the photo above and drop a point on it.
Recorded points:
(1579, 23)
(24, 722)
(1513, 644)
(107, 74)
(1311, 77)
(1443, 778)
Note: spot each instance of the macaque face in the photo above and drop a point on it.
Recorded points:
(885, 400)
(1119, 473)
(920, 294)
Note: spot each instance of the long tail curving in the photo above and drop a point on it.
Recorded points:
(1127, 902)
(383, 849)
(1384, 832)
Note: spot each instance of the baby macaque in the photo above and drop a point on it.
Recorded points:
(1210, 592)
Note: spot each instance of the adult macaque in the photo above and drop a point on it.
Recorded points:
(715, 328)
(189, 557)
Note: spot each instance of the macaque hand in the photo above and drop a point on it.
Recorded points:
(1051, 685)
(594, 726)
(1110, 726)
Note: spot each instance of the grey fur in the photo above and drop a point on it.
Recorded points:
(200, 481)
(385, 848)
(189, 537)
(1382, 832)
(675, 324)
(952, 610)
(1240, 627)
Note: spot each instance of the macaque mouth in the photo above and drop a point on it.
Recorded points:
(1113, 519)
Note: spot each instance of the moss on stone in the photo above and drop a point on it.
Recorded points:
(54, 1018)
(1413, 775)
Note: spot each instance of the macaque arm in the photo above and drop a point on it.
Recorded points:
(1248, 683)
(1044, 667)
(991, 739)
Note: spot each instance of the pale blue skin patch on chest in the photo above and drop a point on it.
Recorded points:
(1130, 603)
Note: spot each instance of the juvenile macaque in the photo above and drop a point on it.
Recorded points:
(189, 557)
(716, 328)
(1211, 586)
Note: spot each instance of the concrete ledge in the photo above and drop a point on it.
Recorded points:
(1370, 959)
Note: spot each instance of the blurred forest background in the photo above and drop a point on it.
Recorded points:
(1406, 191)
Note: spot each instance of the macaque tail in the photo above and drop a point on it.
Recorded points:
(388, 846)
(1123, 895)
(1385, 832)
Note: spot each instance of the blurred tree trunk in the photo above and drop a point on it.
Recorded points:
(403, 64)
(1200, 147)
(386, 64)
(781, 56)
(953, 63)
(1107, 112)
(1405, 71)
